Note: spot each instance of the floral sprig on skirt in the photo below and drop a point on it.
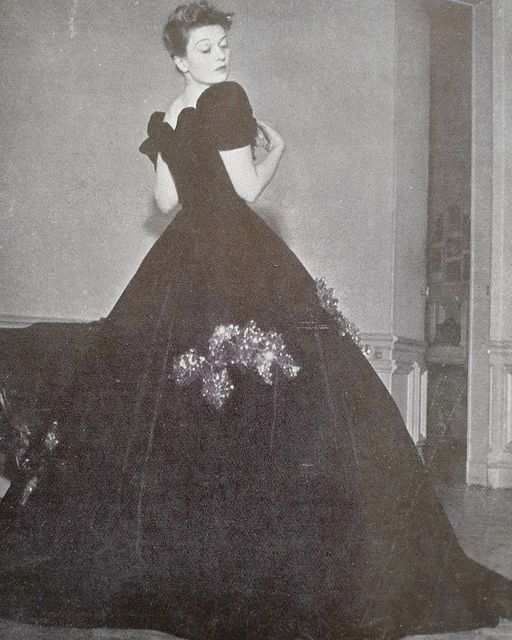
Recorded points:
(231, 345)
(347, 328)
(27, 448)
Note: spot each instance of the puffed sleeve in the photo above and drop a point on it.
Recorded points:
(226, 116)
(158, 137)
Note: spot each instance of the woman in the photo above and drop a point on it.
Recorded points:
(231, 467)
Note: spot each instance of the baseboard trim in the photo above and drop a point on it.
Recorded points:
(19, 322)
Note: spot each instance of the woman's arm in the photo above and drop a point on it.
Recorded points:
(166, 195)
(250, 179)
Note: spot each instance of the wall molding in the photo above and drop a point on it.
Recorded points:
(400, 364)
(500, 347)
(20, 321)
(468, 3)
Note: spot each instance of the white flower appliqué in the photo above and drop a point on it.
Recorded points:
(231, 345)
(330, 303)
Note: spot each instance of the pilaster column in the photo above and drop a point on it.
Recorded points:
(398, 344)
(490, 357)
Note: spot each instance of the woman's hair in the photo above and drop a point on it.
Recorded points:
(190, 16)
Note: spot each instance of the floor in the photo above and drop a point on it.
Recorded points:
(481, 517)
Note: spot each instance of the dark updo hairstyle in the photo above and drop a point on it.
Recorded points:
(190, 16)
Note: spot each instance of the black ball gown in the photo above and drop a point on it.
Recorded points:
(228, 464)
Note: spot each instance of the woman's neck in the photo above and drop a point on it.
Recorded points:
(188, 98)
(191, 93)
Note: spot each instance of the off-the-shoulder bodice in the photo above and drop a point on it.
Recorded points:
(222, 120)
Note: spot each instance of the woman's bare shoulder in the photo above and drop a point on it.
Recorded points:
(172, 113)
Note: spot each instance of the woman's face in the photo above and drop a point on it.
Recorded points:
(208, 56)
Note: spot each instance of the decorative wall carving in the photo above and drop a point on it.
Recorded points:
(500, 414)
(400, 364)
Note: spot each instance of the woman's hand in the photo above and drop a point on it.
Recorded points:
(248, 177)
(260, 141)
(272, 139)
